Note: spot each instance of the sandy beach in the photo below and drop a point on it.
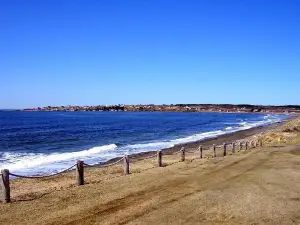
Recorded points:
(257, 186)
(150, 112)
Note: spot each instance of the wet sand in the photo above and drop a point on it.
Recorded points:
(225, 138)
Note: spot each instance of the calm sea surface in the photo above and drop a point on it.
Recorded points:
(45, 142)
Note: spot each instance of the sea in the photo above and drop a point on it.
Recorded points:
(47, 142)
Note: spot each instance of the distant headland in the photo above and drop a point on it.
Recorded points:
(176, 108)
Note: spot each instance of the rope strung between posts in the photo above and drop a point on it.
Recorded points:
(44, 176)
(105, 165)
(148, 157)
(138, 157)
(190, 151)
(175, 153)
(204, 148)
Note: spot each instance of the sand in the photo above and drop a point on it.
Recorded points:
(258, 186)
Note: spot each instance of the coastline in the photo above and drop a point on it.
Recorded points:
(218, 140)
(103, 150)
(240, 188)
(175, 108)
(192, 146)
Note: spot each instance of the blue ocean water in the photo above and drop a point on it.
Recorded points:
(45, 142)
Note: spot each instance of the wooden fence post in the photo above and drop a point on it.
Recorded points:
(5, 186)
(246, 145)
(240, 146)
(159, 158)
(182, 154)
(233, 147)
(80, 172)
(201, 151)
(261, 143)
(126, 164)
(225, 149)
(214, 151)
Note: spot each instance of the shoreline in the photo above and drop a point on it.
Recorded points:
(182, 111)
(218, 140)
(209, 141)
(174, 108)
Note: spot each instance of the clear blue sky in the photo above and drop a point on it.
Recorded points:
(57, 52)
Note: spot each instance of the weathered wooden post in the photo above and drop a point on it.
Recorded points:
(214, 151)
(246, 145)
(224, 149)
(201, 151)
(261, 143)
(80, 172)
(182, 154)
(159, 158)
(233, 147)
(240, 146)
(5, 186)
(126, 164)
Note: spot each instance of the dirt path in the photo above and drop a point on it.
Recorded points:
(258, 187)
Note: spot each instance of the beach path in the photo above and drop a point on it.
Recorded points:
(260, 186)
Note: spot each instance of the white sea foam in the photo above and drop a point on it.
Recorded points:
(135, 148)
(19, 161)
(228, 128)
(243, 123)
(197, 137)
(267, 116)
(269, 119)
(148, 146)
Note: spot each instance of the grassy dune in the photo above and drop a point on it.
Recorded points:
(287, 134)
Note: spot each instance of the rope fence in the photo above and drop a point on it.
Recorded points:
(240, 145)
(43, 176)
(175, 153)
(190, 151)
(145, 158)
(104, 165)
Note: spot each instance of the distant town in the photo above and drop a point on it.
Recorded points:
(176, 108)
